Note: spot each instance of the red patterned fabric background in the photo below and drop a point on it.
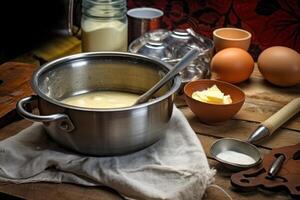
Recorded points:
(271, 23)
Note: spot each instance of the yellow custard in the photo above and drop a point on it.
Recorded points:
(102, 99)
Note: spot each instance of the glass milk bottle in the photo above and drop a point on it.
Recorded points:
(104, 25)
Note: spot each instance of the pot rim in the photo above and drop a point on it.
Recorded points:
(34, 83)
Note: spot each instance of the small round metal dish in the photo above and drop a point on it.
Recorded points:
(235, 145)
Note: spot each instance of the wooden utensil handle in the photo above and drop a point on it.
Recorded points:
(281, 116)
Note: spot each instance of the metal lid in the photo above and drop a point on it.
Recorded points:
(180, 34)
(155, 49)
(171, 46)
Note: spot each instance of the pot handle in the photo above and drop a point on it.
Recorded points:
(63, 120)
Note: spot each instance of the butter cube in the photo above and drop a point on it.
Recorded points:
(212, 95)
(227, 99)
(200, 96)
(215, 96)
(214, 88)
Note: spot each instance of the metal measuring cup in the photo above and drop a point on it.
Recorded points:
(247, 148)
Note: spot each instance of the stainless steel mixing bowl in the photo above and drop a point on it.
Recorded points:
(101, 131)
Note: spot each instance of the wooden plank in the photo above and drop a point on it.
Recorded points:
(258, 110)
(264, 99)
(40, 191)
(260, 89)
(222, 179)
(58, 47)
(241, 130)
(28, 58)
(13, 128)
(14, 84)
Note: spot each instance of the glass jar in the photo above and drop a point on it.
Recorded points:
(104, 25)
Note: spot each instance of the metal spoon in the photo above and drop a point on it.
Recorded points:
(185, 61)
(264, 130)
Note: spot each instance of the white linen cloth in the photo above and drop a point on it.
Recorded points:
(173, 168)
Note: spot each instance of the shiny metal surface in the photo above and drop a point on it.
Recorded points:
(230, 144)
(70, 16)
(189, 57)
(276, 166)
(259, 134)
(141, 20)
(62, 119)
(171, 46)
(156, 49)
(104, 131)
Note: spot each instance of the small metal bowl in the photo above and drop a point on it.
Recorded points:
(231, 144)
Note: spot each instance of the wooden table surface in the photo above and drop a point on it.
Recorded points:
(262, 100)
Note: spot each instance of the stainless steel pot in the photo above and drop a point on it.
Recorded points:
(101, 131)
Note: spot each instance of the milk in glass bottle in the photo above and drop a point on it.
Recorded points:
(104, 25)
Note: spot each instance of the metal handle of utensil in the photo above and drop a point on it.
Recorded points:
(275, 121)
(64, 121)
(189, 57)
(276, 166)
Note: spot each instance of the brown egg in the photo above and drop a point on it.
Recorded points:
(280, 66)
(233, 65)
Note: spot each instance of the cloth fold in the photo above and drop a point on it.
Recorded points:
(174, 168)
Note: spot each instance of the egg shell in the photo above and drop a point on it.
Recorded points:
(233, 65)
(280, 66)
